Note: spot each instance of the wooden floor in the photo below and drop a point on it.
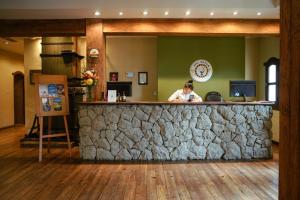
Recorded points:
(58, 177)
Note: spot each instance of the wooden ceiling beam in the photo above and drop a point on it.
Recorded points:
(77, 27)
(33, 28)
(191, 27)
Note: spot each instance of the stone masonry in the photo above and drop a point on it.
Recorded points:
(175, 132)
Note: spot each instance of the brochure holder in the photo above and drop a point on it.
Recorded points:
(51, 99)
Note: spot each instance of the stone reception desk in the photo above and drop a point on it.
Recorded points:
(172, 131)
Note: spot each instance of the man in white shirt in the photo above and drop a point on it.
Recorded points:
(186, 94)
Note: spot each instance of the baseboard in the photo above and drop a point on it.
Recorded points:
(5, 127)
(19, 125)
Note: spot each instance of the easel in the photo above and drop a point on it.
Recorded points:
(61, 110)
(35, 128)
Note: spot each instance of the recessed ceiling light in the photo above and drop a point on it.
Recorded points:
(235, 13)
(166, 12)
(187, 13)
(121, 13)
(145, 12)
(97, 13)
(258, 13)
(212, 13)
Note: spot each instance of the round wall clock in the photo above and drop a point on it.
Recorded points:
(201, 70)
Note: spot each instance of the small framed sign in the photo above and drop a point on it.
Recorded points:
(111, 95)
(32, 72)
(143, 78)
(129, 74)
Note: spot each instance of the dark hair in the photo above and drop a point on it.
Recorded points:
(189, 85)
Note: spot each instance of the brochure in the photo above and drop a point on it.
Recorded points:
(60, 89)
(46, 104)
(43, 90)
(52, 90)
(57, 104)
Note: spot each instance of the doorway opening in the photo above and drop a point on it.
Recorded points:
(19, 99)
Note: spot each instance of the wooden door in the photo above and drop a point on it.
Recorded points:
(19, 100)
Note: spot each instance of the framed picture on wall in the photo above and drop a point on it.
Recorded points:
(32, 73)
(113, 76)
(143, 78)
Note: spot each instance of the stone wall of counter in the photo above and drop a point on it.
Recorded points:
(175, 132)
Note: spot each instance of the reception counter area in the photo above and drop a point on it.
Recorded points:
(175, 131)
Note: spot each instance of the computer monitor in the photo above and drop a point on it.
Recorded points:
(121, 87)
(243, 88)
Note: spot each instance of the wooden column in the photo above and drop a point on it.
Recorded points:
(96, 39)
(289, 163)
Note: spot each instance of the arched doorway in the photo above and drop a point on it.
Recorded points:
(19, 99)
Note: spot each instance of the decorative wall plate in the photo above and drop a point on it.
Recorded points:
(201, 70)
(94, 53)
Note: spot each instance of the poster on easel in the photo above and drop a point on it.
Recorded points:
(51, 95)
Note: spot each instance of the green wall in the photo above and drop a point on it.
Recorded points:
(176, 54)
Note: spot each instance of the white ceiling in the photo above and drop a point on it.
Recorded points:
(72, 9)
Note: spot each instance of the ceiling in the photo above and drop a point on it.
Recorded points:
(13, 45)
(72, 9)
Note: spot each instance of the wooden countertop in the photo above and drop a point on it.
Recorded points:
(268, 103)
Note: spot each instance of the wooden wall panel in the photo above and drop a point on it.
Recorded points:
(31, 28)
(56, 65)
(289, 163)
(96, 39)
(191, 27)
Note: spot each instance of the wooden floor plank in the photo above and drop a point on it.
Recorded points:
(58, 177)
(130, 188)
(170, 183)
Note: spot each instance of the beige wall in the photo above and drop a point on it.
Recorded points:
(258, 51)
(269, 46)
(9, 63)
(252, 55)
(32, 60)
(134, 54)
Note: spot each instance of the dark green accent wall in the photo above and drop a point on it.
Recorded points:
(177, 53)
